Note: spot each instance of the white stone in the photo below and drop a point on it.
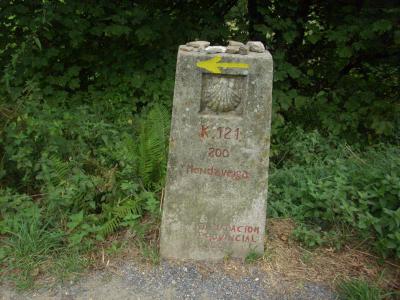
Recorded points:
(186, 48)
(235, 43)
(244, 50)
(255, 46)
(215, 49)
(232, 49)
(198, 44)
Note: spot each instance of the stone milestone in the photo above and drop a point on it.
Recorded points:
(216, 190)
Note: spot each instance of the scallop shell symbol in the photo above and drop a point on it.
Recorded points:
(221, 95)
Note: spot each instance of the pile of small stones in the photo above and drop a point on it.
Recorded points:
(233, 47)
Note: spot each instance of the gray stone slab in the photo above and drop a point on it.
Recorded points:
(216, 190)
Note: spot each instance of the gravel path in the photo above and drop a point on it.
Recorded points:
(178, 281)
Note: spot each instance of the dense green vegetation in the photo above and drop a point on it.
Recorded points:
(337, 192)
(85, 96)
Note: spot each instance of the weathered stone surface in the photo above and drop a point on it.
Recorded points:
(244, 50)
(255, 46)
(186, 48)
(198, 44)
(232, 49)
(216, 187)
(215, 49)
(235, 43)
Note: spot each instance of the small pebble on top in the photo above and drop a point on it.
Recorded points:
(215, 49)
(256, 46)
(235, 43)
(234, 47)
(198, 44)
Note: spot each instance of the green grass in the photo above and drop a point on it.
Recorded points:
(149, 251)
(357, 289)
(28, 248)
(68, 266)
(32, 250)
(252, 256)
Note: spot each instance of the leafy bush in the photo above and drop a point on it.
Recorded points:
(339, 190)
(71, 174)
(336, 66)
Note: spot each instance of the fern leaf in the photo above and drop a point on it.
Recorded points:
(153, 145)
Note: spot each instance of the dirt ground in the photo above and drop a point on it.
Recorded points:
(176, 281)
(287, 271)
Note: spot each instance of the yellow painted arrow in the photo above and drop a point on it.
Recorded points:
(214, 65)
